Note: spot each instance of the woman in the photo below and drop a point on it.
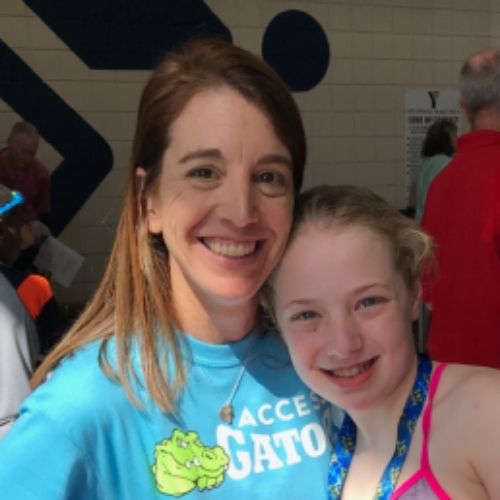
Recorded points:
(439, 146)
(346, 293)
(167, 385)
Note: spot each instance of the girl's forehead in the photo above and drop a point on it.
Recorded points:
(335, 249)
(322, 227)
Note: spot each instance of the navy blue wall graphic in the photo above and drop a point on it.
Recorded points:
(118, 34)
(297, 48)
(87, 157)
(126, 34)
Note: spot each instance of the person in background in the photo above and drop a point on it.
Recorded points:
(21, 171)
(345, 295)
(462, 213)
(169, 385)
(34, 290)
(19, 347)
(439, 146)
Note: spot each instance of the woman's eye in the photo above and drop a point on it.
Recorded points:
(202, 173)
(272, 183)
(272, 178)
(304, 316)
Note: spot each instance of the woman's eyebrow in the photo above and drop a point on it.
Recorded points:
(274, 158)
(214, 153)
(201, 154)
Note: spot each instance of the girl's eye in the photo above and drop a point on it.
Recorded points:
(304, 316)
(369, 302)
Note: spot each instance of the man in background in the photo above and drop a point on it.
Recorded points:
(462, 212)
(21, 171)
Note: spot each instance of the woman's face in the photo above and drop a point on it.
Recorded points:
(224, 199)
(345, 314)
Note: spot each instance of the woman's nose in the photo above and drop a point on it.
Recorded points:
(240, 204)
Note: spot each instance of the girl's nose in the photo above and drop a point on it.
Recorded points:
(344, 339)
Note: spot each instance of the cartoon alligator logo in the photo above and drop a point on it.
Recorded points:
(183, 463)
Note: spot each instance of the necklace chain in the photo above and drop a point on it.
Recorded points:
(346, 440)
(226, 411)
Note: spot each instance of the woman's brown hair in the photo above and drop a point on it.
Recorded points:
(132, 302)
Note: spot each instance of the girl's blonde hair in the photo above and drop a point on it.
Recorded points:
(346, 206)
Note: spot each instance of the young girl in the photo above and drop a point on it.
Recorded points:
(168, 386)
(345, 295)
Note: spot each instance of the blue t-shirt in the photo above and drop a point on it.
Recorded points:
(79, 436)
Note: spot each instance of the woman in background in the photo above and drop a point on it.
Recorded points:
(439, 146)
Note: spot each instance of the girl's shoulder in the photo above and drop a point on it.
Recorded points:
(464, 437)
(469, 396)
(460, 381)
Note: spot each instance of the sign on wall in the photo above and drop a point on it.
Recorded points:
(422, 107)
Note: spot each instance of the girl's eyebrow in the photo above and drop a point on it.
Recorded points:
(364, 288)
(358, 290)
(298, 302)
(201, 154)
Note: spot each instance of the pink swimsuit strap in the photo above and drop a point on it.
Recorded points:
(427, 418)
(425, 471)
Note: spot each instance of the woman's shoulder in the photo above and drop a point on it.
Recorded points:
(75, 388)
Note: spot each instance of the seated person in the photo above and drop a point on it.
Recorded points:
(34, 291)
(19, 347)
(345, 295)
(21, 171)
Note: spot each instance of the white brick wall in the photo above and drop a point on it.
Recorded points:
(354, 119)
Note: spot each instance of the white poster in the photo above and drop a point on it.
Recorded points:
(422, 107)
(60, 260)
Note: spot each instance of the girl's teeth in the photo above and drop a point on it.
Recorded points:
(351, 372)
(230, 249)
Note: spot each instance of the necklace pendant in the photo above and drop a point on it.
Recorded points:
(226, 413)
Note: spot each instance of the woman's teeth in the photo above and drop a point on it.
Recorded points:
(231, 249)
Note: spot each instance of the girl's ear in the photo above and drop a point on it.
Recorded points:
(153, 219)
(415, 301)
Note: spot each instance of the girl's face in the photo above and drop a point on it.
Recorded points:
(345, 314)
(224, 199)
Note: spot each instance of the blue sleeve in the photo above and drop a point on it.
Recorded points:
(38, 461)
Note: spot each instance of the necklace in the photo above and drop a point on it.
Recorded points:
(226, 411)
(346, 440)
